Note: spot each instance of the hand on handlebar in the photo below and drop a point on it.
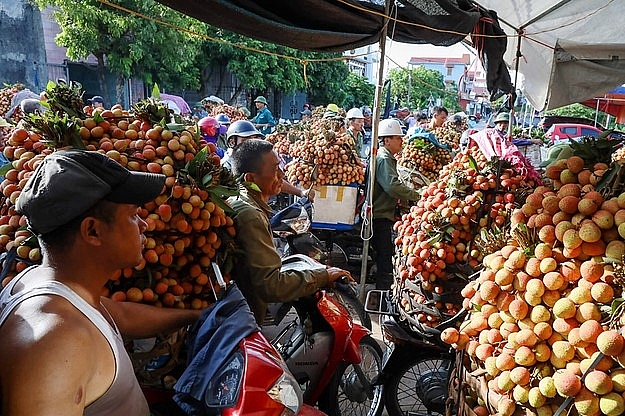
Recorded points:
(309, 193)
(340, 275)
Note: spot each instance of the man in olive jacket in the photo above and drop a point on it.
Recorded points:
(387, 191)
(257, 269)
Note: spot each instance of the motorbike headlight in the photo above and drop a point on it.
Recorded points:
(287, 392)
(223, 390)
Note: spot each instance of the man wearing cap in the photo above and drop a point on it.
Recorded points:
(62, 352)
(332, 111)
(199, 111)
(388, 189)
(264, 119)
(97, 102)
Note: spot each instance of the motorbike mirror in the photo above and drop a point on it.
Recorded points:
(220, 279)
(377, 302)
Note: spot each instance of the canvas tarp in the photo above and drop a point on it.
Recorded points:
(571, 50)
(335, 25)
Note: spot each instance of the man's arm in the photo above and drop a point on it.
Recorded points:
(287, 188)
(263, 262)
(387, 177)
(137, 320)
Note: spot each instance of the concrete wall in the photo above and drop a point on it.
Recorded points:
(22, 48)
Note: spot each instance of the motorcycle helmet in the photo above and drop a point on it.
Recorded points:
(224, 122)
(209, 128)
(223, 119)
(241, 128)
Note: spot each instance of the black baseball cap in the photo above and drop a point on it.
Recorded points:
(68, 183)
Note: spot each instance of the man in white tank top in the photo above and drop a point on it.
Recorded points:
(61, 351)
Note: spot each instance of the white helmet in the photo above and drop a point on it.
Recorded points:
(354, 113)
(389, 127)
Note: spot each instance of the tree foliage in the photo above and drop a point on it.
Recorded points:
(281, 68)
(256, 70)
(413, 88)
(132, 46)
(129, 45)
(359, 91)
(327, 81)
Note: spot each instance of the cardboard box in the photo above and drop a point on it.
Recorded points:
(335, 206)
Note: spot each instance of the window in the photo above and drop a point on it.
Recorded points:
(449, 71)
(589, 132)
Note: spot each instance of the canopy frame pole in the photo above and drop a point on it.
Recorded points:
(516, 75)
(368, 233)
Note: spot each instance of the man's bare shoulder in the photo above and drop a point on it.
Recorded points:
(47, 324)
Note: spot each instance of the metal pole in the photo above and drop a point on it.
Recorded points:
(516, 75)
(409, 84)
(367, 233)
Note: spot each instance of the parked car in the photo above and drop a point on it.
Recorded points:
(547, 121)
(563, 131)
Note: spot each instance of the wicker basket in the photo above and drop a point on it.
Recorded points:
(166, 358)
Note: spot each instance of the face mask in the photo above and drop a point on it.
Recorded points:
(471, 123)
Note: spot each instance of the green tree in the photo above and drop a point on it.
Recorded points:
(413, 87)
(359, 91)
(280, 68)
(257, 71)
(127, 44)
(327, 81)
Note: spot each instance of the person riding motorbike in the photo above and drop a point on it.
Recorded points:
(257, 269)
(242, 130)
(224, 123)
(237, 133)
(209, 130)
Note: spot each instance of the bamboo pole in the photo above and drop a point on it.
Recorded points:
(367, 231)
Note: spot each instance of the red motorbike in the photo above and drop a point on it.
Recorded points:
(332, 358)
(232, 369)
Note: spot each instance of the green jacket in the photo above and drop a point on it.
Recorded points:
(264, 116)
(388, 188)
(357, 140)
(257, 268)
